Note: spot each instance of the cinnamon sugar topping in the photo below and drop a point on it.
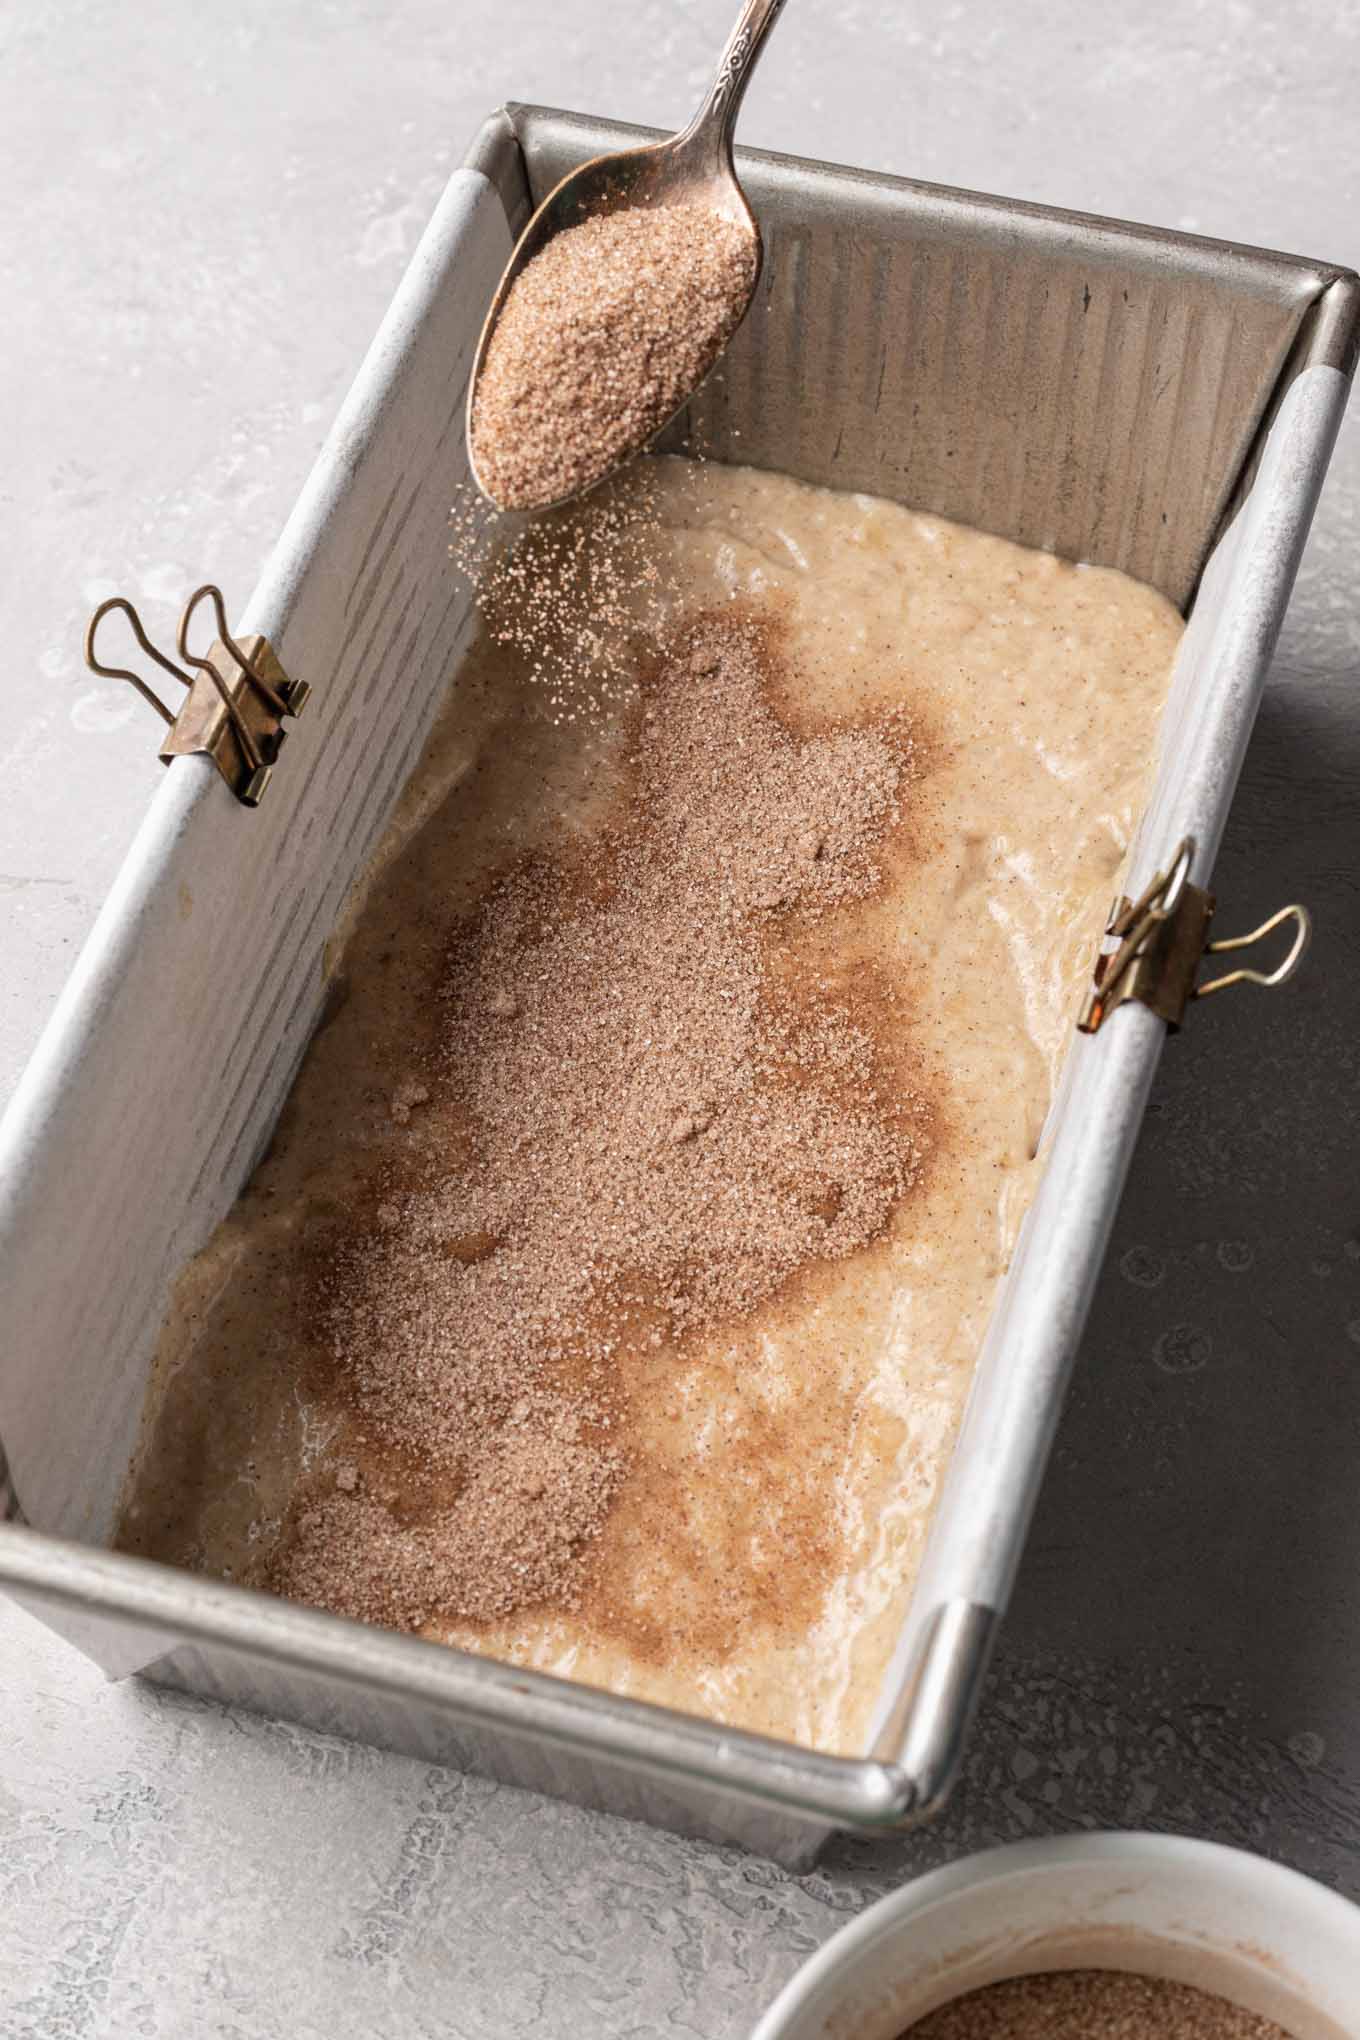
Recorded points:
(631, 1132)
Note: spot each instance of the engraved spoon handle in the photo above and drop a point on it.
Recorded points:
(711, 129)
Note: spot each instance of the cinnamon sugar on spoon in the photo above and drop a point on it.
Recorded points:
(636, 1130)
(619, 296)
(603, 336)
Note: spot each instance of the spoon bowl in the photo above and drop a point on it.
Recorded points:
(693, 168)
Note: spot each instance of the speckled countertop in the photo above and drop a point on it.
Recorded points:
(204, 213)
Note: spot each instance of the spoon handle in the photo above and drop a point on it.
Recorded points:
(713, 124)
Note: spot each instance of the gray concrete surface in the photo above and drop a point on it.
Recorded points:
(204, 212)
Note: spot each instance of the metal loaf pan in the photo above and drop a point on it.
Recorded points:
(1147, 401)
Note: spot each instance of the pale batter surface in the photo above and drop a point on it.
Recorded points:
(758, 1557)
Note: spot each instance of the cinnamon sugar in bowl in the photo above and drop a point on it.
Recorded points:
(1115, 1916)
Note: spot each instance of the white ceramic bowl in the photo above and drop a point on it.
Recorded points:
(1264, 1937)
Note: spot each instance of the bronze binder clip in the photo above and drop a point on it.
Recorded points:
(233, 711)
(1153, 947)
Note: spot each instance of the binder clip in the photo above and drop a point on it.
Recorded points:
(237, 698)
(1153, 947)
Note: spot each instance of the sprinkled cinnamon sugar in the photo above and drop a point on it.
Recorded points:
(603, 336)
(627, 1136)
(1092, 2004)
(573, 593)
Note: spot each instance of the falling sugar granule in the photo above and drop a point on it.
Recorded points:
(576, 593)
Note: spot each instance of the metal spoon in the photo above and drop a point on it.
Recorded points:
(694, 167)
